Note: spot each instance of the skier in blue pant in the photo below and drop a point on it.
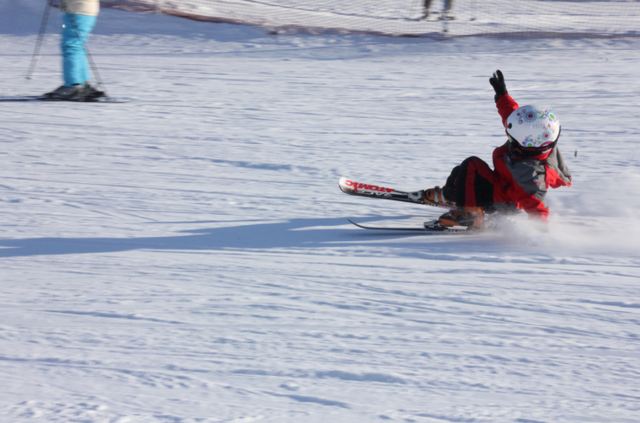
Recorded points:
(77, 22)
(447, 14)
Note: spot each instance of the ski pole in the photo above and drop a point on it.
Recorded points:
(43, 28)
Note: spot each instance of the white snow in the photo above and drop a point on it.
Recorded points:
(186, 257)
(405, 17)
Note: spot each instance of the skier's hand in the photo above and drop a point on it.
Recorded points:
(497, 81)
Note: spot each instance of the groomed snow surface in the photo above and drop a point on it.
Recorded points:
(406, 17)
(186, 257)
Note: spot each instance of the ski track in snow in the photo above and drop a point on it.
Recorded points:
(187, 257)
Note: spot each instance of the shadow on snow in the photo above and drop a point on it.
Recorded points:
(292, 234)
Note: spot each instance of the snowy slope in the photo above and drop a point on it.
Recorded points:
(405, 17)
(186, 257)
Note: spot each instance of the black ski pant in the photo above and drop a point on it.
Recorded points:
(448, 4)
(471, 184)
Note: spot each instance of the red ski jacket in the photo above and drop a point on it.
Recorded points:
(524, 181)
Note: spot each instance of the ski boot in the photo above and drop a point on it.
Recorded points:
(72, 93)
(471, 217)
(431, 16)
(447, 15)
(91, 92)
(432, 196)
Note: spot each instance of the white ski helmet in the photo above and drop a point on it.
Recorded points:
(532, 130)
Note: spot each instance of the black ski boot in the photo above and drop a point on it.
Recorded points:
(72, 93)
(91, 92)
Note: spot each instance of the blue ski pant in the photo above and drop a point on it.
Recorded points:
(75, 31)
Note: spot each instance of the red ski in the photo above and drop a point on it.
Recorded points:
(351, 187)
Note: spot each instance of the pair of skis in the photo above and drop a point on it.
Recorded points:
(43, 98)
(351, 187)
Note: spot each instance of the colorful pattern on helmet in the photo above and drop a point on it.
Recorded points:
(527, 116)
(533, 127)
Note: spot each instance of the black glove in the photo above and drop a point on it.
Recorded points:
(497, 81)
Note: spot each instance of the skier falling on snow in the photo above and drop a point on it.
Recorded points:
(525, 167)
